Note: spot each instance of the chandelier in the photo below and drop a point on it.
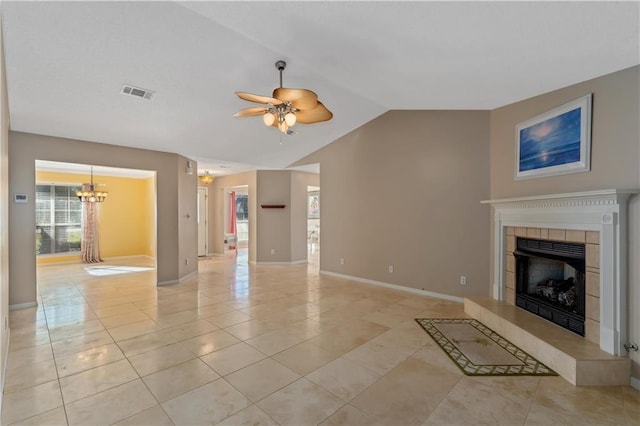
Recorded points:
(206, 178)
(88, 193)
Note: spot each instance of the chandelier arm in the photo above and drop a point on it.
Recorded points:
(88, 193)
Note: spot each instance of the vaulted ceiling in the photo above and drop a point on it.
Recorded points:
(67, 62)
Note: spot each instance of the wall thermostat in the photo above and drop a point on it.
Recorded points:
(20, 198)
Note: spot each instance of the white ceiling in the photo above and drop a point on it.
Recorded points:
(85, 169)
(67, 61)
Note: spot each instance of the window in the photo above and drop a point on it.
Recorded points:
(242, 207)
(242, 217)
(58, 219)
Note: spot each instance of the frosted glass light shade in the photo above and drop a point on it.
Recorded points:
(290, 118)
(268, 119)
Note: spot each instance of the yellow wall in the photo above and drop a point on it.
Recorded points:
(126, 218)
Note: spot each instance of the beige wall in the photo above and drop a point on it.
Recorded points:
(615, 159)
(4, 216)
(187, 218)
(173, 202)
(283, 230)
(614, 148)
(274, 225)
(150, 200)
(633, 307)
(405, 190)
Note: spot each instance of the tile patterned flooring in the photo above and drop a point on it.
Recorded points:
(261, 345)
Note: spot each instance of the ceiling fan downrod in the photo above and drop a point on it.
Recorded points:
(280, 66)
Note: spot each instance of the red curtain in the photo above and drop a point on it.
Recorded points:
(232, 213)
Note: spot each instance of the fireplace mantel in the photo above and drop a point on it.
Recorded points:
(570, 199)
(604, 211)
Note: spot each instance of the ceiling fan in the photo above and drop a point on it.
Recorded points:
(286, 107)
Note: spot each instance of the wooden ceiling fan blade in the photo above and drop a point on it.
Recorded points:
(259, 99)
(316, 115)
(301, 99)
(249, 112)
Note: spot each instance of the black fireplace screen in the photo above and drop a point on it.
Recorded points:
(550, 281)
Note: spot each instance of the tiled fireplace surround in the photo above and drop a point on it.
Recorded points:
(597, 219)
(591, 240)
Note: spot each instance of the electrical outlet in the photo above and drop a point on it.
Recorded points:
(463, 280)
(186, 261)
(390, 268)
(342, 260)
(273, 251)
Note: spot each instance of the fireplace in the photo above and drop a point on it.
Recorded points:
(550, 281)
(597, 219)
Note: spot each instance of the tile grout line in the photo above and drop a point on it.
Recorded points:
(46, 319)
(533, 398)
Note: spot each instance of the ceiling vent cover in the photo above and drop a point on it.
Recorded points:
(128, 89)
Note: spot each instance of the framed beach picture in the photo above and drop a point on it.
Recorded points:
(556, 142)
(313, 205)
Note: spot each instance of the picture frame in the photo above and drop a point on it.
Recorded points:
(313, 205)
(555, 143)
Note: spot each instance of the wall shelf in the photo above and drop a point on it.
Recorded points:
(272, 206)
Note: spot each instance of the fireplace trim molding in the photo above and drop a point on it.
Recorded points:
(604, 211)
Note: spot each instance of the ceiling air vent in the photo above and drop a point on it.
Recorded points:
(127, 89)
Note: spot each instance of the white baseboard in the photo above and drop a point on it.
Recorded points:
(106, 259)
(210, 255)
(179, 280)
(635, 383)
(19, 306)
(133, 256)
(188, 276)
(395, 287)
(295, 262)
(66, 262)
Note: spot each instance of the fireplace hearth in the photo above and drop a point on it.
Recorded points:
(550, 281)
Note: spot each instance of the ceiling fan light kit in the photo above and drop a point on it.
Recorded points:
(286, 107)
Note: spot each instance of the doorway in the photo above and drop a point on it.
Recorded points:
(236, 229)
(125, 219)
(313, 223)
(203, 227)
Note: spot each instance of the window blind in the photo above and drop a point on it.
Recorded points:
(58, 219)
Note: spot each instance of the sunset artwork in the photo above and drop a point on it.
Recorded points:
(556, 142)
(550, 143)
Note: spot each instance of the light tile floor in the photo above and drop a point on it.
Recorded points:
(260, 345)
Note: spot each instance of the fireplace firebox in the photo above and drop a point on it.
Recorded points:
(550, 281)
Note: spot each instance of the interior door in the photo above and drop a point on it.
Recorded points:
(202, 222)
